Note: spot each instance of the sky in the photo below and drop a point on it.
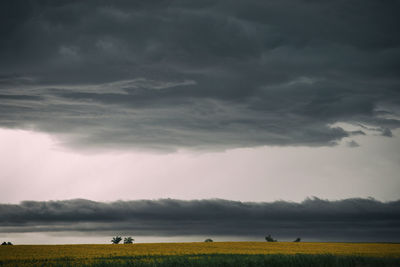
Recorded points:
(241, 107)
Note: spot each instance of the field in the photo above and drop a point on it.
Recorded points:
(204, 254)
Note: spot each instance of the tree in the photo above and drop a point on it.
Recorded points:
(128, 240)
(6, 243)
(269, 238)
(297, 239)
(9, 243)
(208, 240)
(116, 240)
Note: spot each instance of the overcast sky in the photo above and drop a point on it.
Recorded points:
(240, 100)
(313, 219)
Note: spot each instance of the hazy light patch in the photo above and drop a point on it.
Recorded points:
(57, 238)
(34, 167)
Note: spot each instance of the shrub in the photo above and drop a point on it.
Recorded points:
(269, 238)
(128, 240)
(116, 240)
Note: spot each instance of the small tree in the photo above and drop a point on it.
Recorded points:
(116, 240)
(4, 243)
(269, 238)
(208, 240)
(128, 240)
(297, 239)
(9, 243)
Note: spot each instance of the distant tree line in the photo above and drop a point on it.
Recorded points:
(130, 240)
(127, 240)
(269, 238)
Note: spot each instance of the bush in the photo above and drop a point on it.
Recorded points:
(208, 240)
(128, 240)
(116, 240)
(269, 238)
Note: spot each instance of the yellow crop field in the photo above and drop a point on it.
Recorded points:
(24, 255)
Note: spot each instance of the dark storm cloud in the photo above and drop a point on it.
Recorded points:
(169, 74)
(349, 219)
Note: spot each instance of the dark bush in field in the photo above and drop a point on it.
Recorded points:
(208, 240)
(269, 238)
(128, 240)
(116, 240)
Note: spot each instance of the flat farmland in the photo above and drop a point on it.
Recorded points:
(203, 254)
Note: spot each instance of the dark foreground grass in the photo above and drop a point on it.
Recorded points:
(251, 260)
(220, 260)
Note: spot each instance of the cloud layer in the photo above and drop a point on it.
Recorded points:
(167, 74)
(312, 219)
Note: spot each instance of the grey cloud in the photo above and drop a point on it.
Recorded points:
(352, 143)
(313, 219)
(387, 132)
(20, 97)
(171, 74)
(358, 132)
